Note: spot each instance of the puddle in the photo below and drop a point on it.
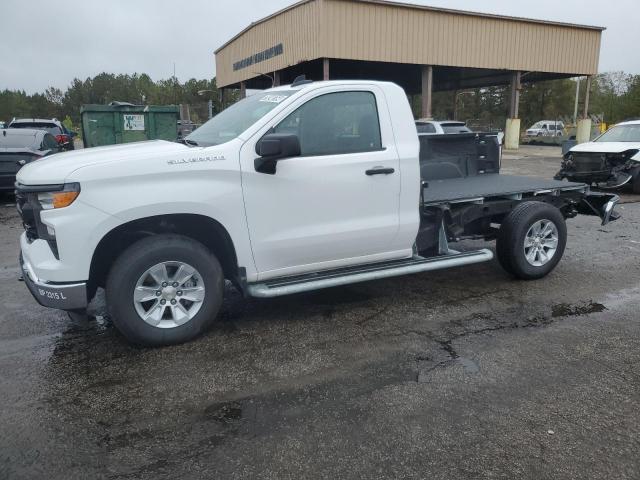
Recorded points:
(468, 365)
(224, 412)
(573, 310)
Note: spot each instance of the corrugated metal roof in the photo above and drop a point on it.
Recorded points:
(386, 31)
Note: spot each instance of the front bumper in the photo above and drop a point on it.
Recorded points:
(63, 296)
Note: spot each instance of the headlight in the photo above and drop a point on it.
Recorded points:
(59, 198)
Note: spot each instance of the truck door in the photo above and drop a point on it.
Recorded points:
(337, 204)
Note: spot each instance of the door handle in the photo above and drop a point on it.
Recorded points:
(380, 171)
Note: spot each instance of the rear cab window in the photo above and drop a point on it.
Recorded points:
(455, 127)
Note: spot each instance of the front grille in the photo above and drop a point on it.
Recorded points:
(29, 209)
(28, 213)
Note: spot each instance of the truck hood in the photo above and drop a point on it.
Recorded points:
(607, 147)
(57, 168)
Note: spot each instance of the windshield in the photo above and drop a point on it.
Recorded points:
(621, 133)
(230, 123)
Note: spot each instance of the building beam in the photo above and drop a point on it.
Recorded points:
(325, 69)
(427, 91)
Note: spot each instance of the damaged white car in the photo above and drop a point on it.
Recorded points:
(610, 161)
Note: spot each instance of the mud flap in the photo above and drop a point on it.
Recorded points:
(601, 205)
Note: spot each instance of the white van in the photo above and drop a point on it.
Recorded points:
(546, 128)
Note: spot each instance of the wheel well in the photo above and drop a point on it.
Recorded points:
(204, 229)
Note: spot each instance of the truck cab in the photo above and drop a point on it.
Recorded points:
(306, 186)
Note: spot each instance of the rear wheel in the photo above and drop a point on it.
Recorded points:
(164, 289)
(531, 240)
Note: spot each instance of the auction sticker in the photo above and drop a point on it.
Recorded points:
(273, 98)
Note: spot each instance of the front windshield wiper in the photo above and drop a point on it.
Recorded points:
(188, 142)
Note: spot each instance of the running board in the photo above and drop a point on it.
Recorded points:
(345, 276)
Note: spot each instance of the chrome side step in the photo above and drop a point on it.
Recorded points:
(345, 276)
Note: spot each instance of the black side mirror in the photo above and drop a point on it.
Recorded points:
(273, 147)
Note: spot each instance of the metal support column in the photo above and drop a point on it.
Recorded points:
(512, 128)
(575, 108)
(586, 97)
(243, 90)
(276, 79)
(427, 91)
(455, 104)
(325, 69)
(583, 127)
(514, 104)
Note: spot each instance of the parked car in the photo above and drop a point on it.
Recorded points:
(52, 126)
(610, 161)
(2, 125)
(432, 127)
(297, 188)
(72, 135)
(546, 128)
(19, 147)
(435, 127)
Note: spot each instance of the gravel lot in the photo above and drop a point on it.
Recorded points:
(454, 374)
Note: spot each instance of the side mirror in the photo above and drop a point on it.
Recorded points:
(273, 147)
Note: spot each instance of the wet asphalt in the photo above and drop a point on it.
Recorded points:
(463, 373)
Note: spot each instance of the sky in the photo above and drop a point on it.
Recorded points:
(43, 46)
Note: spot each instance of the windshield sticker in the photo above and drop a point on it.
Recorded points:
(273, 98)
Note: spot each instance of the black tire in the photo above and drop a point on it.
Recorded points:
(635, 182)
(503, 258)
(78, 316)
(511, 239)
(135, 261)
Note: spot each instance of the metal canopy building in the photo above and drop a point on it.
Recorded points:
(423, 49)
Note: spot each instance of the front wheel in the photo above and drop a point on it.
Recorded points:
(531, 240)
(164, 290)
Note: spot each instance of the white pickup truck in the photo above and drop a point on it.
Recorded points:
(296, 188)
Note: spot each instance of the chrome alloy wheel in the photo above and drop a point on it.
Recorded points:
(541, 243)
(169, 294)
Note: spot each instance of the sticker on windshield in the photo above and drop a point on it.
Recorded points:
(273, 98)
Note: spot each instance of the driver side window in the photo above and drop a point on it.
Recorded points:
(335, 123)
